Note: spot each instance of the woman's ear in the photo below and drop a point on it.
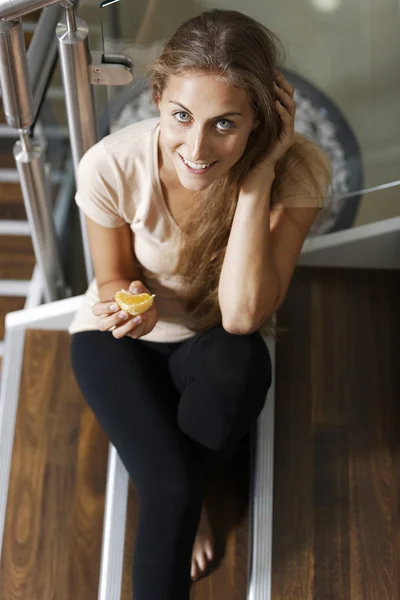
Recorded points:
(256, 124)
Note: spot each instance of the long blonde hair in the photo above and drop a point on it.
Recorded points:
(243, 53)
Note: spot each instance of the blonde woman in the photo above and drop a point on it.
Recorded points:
(206, 206)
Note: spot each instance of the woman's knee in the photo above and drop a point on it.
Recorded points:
(234, 362)
(229, 390)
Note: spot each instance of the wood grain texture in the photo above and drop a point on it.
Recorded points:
(331, 512)
(9, 304)
(293, 527)
(7, 160)
(52, 537)
(336, 482)
(11, 202)
(17, 259)
(337, 449)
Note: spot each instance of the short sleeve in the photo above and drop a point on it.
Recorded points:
(97, 189)
(305, 179)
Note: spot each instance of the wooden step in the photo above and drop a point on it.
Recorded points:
(54, 521)
(17, 259)
(7, 160)
(53, 530)
(11, 202)
(9, 304)
(336, 463)
(228, 509)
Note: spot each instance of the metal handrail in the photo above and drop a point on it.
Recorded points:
(25, 78)
(14, 9)
(29, 154)
(22, 97)
(42, 55)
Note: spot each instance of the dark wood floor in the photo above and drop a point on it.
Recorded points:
(336, 491)
(337, 454)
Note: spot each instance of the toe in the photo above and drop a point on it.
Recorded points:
(209, 552)
(202, 561)
(194, 572)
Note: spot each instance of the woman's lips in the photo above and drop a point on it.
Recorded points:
(196, 171)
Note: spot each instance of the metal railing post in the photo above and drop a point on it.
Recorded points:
(28, 153)
(80, 70)
(75, 57)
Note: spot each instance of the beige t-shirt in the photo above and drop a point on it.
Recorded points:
(118, 182)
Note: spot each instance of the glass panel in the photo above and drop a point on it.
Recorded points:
(342, 59)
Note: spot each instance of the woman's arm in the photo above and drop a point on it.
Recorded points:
(114, 261)
(116, 267)
(261, 255)
(249, 282)
(264, 246)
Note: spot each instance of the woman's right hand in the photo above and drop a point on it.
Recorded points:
(121, 323)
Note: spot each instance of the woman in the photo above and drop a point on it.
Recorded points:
(207, 207)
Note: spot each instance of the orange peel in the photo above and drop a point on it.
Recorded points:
(134, 304)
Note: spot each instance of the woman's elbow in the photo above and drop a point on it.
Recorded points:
(241, 325)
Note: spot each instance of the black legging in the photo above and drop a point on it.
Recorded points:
(170, 410)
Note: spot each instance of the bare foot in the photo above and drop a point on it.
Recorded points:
(203, 548)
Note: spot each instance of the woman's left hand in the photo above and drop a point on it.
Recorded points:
(264, 171)
(286, 108)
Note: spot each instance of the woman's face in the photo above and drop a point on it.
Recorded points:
(204, 127)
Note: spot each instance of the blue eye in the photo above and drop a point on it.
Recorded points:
(231, 125)
(182, 112)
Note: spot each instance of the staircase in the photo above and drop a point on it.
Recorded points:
(18, 285)
(17, 259)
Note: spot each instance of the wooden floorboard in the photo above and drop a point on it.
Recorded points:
(11, 202)
(9, 304)
(7, 160)
(336, 480)
(17, 259)
(52, 537)
(337, 443)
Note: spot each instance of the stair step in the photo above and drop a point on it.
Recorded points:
(9, 304)
(11, 202)
(56, 437)
(7, 160)
(59, 470)
(17, 258)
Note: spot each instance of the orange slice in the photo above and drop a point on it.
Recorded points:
(134, 304)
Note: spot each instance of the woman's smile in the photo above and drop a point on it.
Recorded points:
(201, 118)
(196, 168)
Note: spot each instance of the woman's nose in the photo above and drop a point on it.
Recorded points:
(198, 145)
